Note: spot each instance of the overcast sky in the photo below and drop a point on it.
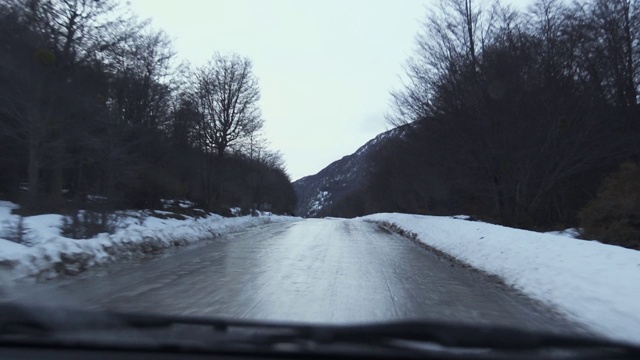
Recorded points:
(325, 67)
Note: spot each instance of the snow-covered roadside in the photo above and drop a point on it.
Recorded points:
(52, 255)
(592, 283)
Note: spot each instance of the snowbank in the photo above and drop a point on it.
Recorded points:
(50, 254)
(571, 233)
(592, 283)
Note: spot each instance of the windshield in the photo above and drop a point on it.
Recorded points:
(472, 163)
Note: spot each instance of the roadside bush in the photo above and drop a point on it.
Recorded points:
(144, 188)
(613, 217)
(16, 231)
(85, 224)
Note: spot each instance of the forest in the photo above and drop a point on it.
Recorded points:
(97, 112)
(522, 117)
(527, 118)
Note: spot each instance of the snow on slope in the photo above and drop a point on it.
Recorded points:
(52, 255)
(318, 192)
(593, 283)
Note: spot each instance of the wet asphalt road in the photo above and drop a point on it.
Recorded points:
(321, 271)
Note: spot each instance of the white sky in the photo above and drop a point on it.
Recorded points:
(325, 67)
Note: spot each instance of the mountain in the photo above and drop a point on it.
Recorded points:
(316, 193)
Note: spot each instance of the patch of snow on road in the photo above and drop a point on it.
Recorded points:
(592, 283)
(49, 254)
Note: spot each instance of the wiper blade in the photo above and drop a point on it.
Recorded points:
(54, 319)
(401, 334)
(473, 336)
(41, 322)
(463, 335)
(47, 321)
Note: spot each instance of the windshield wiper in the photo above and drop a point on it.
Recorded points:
(438, 335)
(419, 338)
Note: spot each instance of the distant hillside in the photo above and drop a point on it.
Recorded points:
(318, 192)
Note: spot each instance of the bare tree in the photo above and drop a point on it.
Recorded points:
(28, 105)
(617, 34)
(66, 37)
(505, 107)
(140, 91)
(447, 47)
(80, 30)
(227, 93)
(256, 148)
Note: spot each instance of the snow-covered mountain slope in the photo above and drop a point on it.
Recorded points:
(318, 192)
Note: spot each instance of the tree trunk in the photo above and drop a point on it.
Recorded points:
(470, 33)
(55, 197)
(631, 97)
(33, 173)
(221, 148)
(498, 199)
